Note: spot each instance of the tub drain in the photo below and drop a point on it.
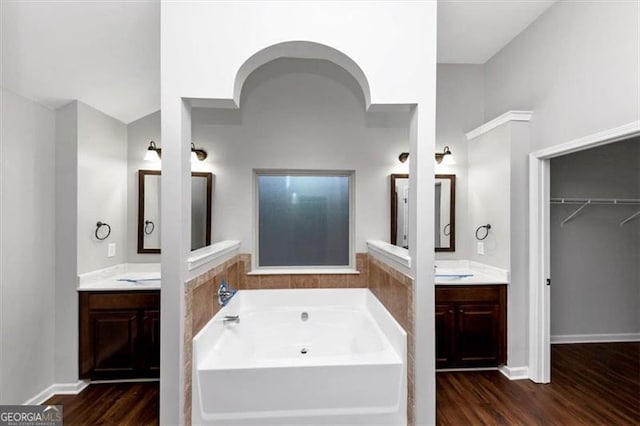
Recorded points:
(303, 351)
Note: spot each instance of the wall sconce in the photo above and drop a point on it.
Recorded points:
(444, 156)
(440, 156)
(197, 154)
(153, 152)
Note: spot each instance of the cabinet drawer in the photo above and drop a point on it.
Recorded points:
(120, 300)
(449, 294)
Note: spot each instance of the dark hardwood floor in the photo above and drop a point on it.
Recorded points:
(591, 384)
(111, 404)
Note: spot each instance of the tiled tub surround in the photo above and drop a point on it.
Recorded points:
(301, 368)
(392, 288)
(125, 276)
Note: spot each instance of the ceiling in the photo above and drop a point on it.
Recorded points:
(107, 53)
(472, 31)
(103, 53)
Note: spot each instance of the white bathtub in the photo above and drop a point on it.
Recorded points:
(346, 364)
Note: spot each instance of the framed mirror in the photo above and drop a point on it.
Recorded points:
(400, 210)
(445, 211)
(149, 210)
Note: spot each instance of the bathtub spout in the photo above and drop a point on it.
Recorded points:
(231, 318)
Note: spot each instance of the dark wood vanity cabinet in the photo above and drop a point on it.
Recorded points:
(471, 326)
(119, 334)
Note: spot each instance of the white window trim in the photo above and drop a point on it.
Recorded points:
(312, 269)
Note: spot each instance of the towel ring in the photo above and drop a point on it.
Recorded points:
(486, 234)
(447, 229)
(101, 235)
(148, 223)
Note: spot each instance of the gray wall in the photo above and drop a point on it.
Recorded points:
(139, 133)
(102, 187)
(595, 263)
(490, 194)
(306, 114)
(576, 67)
(459, 108)
(498, 185)
(66, 231)
(27, 273)
(90, 186)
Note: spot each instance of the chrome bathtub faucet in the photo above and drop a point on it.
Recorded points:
(225, 293)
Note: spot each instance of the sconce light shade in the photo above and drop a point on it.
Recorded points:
(197, 154)
(153, 153)
(445, 157)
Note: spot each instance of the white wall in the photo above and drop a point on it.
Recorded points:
(102, 187)
(205, 62)
(27, 262)
(300, 114)
(576, 67)
(595, 266)
(460, 108)
(139, 133)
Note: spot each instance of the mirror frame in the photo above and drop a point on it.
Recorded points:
(452, 213)
(452, 210)
(394, 206)
(141, 175)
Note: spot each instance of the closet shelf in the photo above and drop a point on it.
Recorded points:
(584, 202)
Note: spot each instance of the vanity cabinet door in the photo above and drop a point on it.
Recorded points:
(113, 341)
(445, 330)
(477, 334)
(151, 325)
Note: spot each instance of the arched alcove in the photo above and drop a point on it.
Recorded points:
(301, 114)
(302, 50)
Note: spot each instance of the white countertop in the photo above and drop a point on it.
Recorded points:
(123, 277)
(466, 272)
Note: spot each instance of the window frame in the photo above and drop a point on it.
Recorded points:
(316, 269)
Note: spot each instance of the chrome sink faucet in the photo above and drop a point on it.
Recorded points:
(225, 293)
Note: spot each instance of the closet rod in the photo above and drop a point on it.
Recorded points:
(618, 201)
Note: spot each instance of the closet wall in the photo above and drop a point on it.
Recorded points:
(595, 262)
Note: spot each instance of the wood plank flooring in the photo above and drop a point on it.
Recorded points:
(111, 404)
(592, 384)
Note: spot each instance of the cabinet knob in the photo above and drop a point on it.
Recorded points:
(461, 311)
(450, 311)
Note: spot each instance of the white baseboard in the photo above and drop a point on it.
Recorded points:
(514, 373)
(102, 382)
(57, 389)
(596, 338)
(464, 370)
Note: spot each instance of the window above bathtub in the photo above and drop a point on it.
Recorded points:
(304, 220)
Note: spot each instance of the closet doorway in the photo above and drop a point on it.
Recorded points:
(547, 318)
